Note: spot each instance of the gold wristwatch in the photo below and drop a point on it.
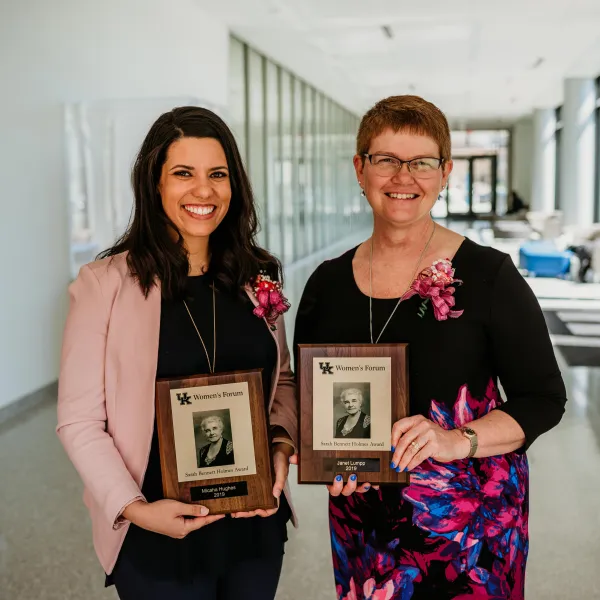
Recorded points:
(472, 437)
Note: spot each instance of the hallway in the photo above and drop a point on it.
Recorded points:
(45, 544)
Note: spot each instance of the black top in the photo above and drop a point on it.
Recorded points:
(361, 429)
(225, 455)
(501, 334)
(243, 342)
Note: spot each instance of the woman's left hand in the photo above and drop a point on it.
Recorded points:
(416, 439)
(283, 455)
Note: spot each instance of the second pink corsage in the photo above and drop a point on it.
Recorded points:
(270, 298)
(436, 284)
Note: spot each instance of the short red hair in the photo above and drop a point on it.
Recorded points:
(405, 113)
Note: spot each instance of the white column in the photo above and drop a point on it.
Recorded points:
(577, 152)
(522, 149)
(544, 163)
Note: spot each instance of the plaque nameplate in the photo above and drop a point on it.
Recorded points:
(225, 490)
(352, 465)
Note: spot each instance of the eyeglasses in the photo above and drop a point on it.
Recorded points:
(388, 166)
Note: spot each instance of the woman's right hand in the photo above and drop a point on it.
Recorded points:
(338, 486)
(168, 517)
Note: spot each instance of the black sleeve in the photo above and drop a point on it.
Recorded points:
(306, 316)
(523, 355)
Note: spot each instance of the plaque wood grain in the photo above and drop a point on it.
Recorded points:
(319, 466)
(260, 485)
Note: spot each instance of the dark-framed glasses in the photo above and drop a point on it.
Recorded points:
(422, 167)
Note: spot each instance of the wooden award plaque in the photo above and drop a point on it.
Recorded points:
(350, 396)
(214, 442)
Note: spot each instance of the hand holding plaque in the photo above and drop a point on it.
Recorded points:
(282, 458)
(350, 395)
(169, 517)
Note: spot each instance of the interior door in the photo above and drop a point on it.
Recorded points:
(471, 190)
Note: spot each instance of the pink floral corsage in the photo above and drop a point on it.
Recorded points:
(271, 301)
(436, 284)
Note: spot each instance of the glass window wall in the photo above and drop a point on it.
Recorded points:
(237, 93)
(256, 142)
(298, 146)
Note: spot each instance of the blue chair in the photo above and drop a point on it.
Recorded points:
(543, 259)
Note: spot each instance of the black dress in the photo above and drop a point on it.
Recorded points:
(225, 456)
(243, 342)
(361, 429)
(459, 530)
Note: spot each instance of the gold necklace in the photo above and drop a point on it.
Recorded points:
(210, 368)
(400, 299)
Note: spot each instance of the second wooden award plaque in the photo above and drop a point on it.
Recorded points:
(350, 396)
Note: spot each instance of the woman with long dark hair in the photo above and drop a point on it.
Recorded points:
(174, 297)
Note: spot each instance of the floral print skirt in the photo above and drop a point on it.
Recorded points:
(458, 531)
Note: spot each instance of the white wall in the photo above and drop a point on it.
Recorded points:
(522, 158)
(68, 51)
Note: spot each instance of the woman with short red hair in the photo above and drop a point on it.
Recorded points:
(459, 530)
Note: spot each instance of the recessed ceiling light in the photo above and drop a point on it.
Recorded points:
(538, 63)
(387, 31)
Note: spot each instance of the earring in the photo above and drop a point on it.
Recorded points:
(362, 193)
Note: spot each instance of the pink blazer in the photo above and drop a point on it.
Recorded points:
(106, 393)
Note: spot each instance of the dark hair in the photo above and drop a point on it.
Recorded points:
(154, 252)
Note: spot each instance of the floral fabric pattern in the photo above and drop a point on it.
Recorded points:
(459, 530)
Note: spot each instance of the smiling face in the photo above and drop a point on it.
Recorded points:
(402, 198)
(352, 401)
(213, 429)
(194, 187)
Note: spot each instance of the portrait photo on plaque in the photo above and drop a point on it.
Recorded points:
(213, 434)
(352, 410)
(214, 438)
(352, 406)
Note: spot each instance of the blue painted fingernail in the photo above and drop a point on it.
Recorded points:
(399, 470)
(393, 464)
(353, 477)
(393, 448)
(338, 478)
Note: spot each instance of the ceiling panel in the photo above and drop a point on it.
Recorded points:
(479, 56)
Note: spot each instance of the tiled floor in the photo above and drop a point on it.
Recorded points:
(45, 544)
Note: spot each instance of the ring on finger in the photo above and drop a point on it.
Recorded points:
(415, 444)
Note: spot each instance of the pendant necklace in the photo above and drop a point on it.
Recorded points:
(400, 299)
(211, 368)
